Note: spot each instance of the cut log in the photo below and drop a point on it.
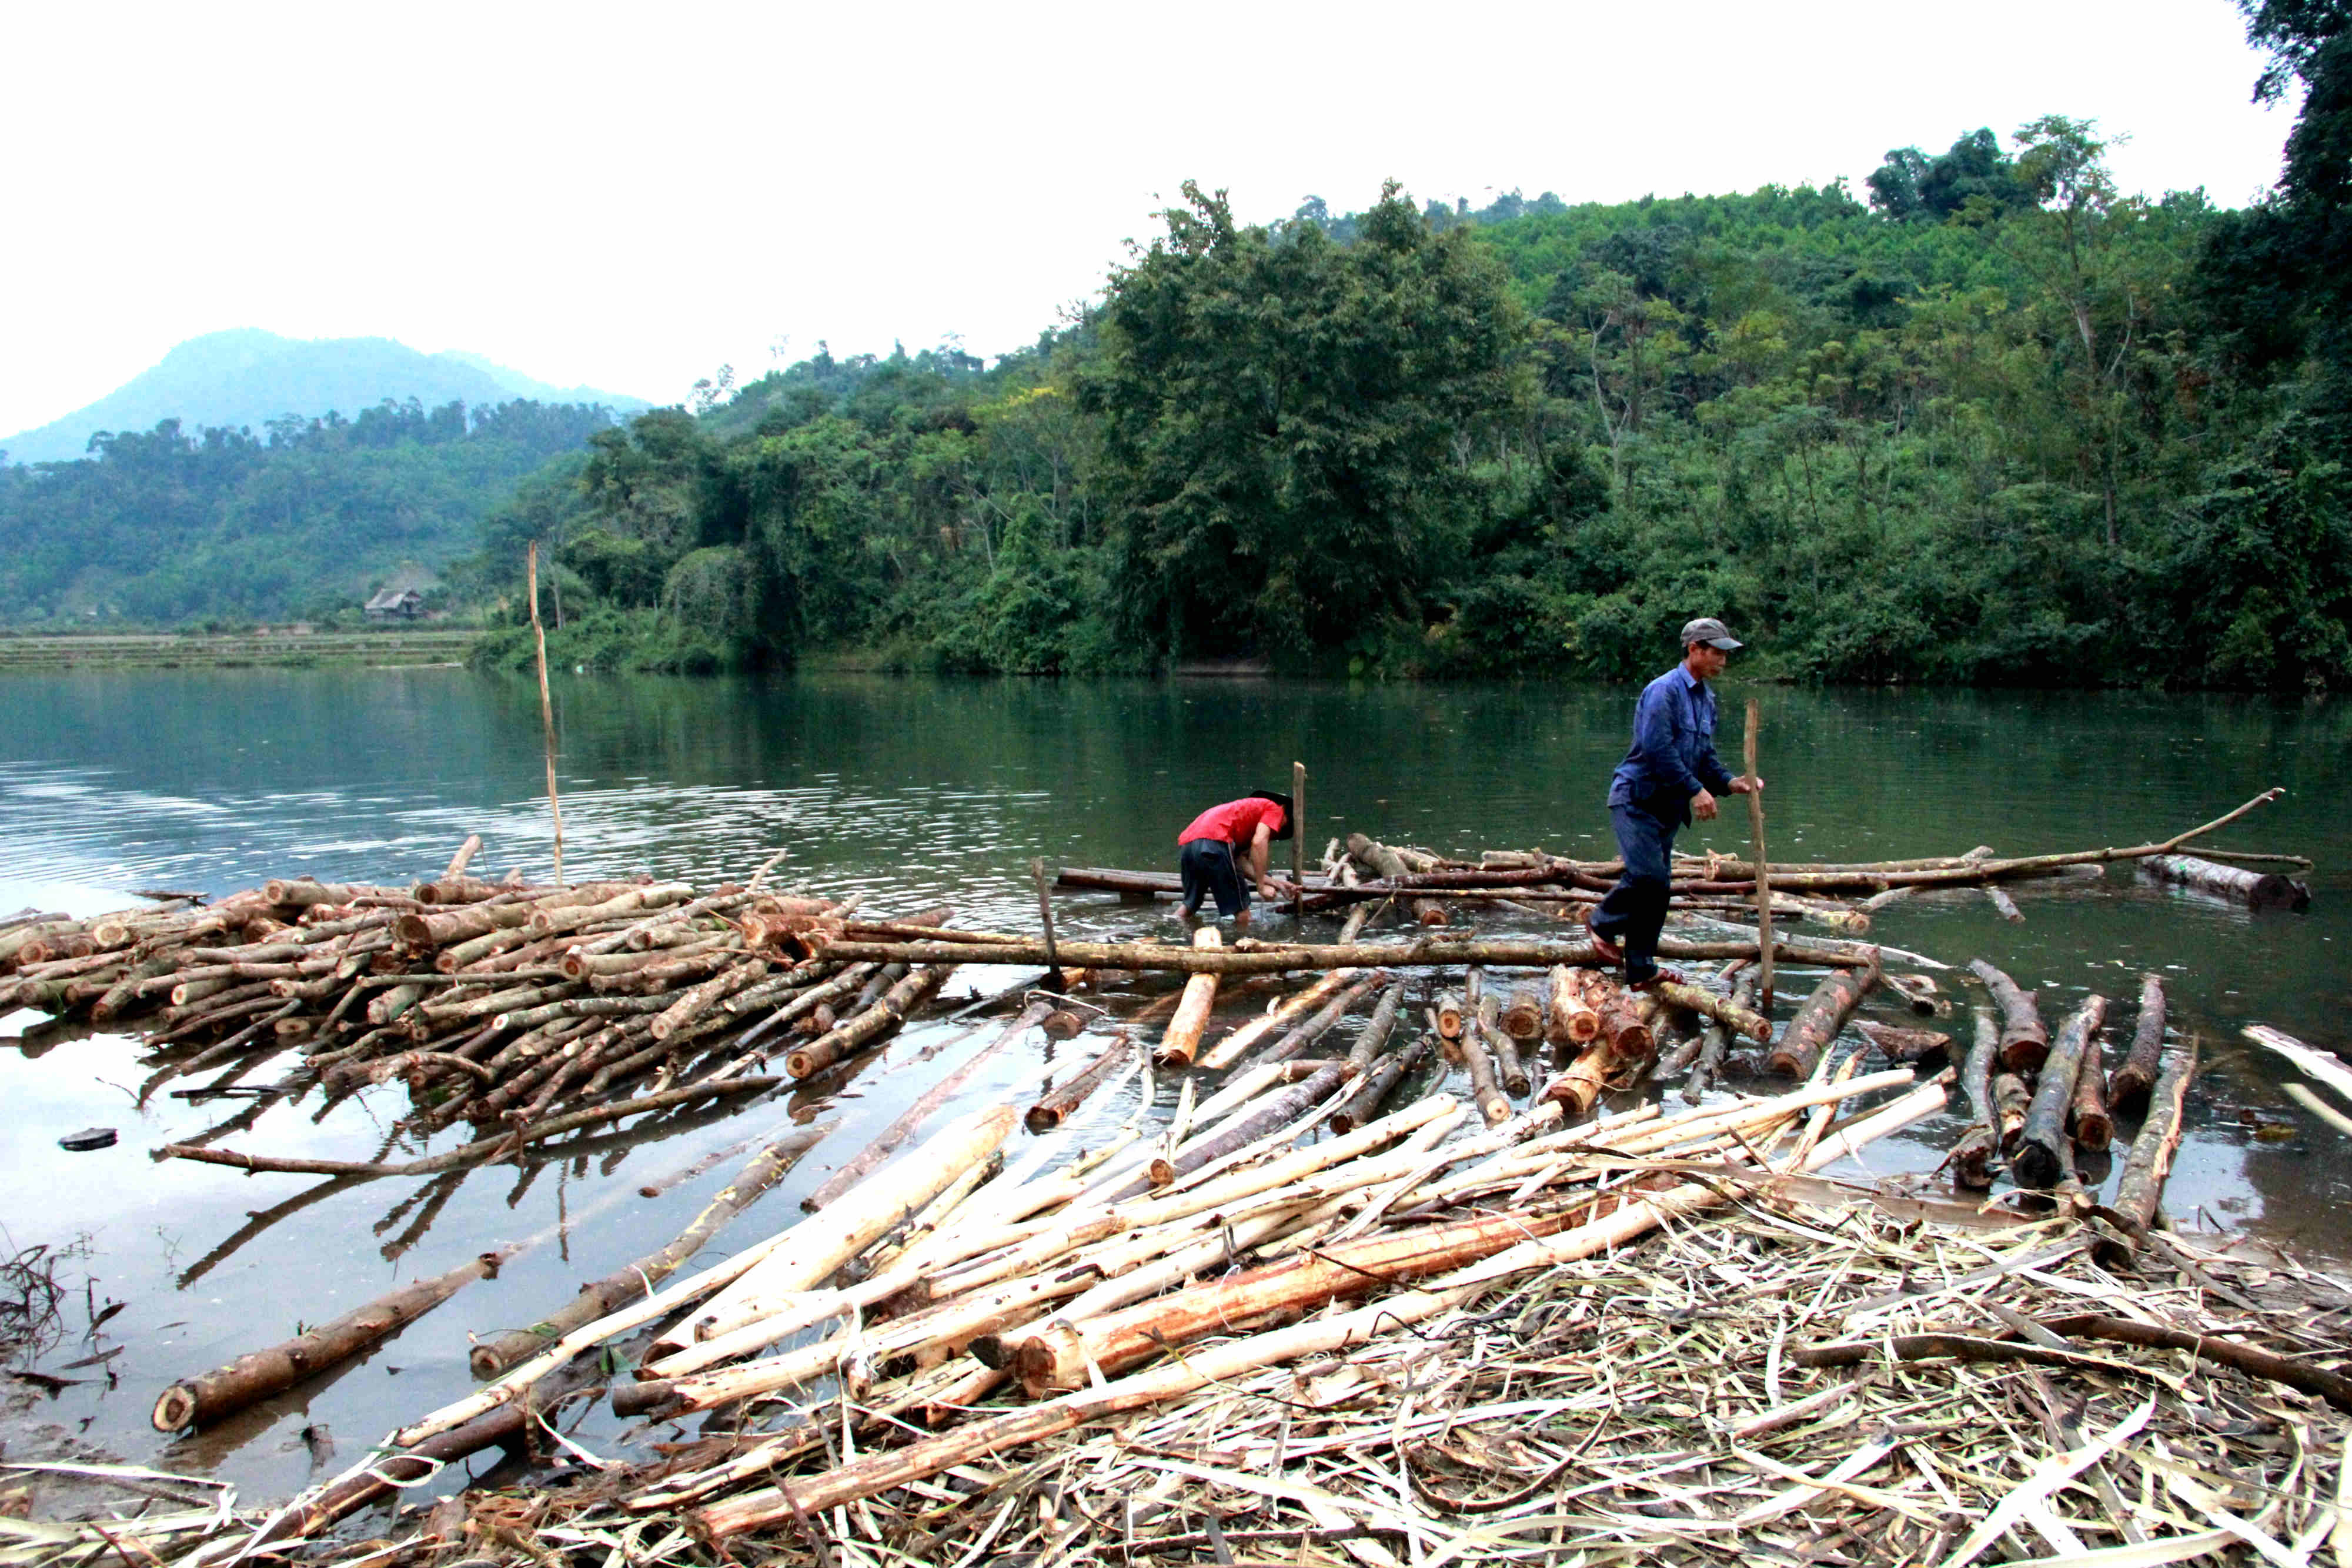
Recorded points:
(2024, 1039)
(1055, 1105)
(1508, 1068)
(1569, 1019)
(1300, 1035)
(1378, 1084)
(1523, 1015)
(2141, 1186)
(887, 1013)
(2039, 1159)
(2093, 1128)
(249, 1379)
(1723, 1009)
(1973, 1156)
(2004, 906)
(1181, 1041)
(617, 1290)
(1451, 1015)
(2128, 1087)
(1478, 1056)
(1392, 868)
(1229, 1050)
(2254, 889)
(1805, 1037)
(2011, 1098)
(1374, 1037)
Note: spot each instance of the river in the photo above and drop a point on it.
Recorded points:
(914, 790)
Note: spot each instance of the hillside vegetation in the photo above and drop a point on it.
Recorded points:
(1999, 422)
(166, 527)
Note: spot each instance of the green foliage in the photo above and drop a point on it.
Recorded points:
(165, 528)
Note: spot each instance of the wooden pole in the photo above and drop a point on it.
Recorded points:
(1297, 839)
(546, 708)
(1763, 862)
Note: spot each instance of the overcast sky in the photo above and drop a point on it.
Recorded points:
(628, 195)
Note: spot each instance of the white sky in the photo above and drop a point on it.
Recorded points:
(626, 196)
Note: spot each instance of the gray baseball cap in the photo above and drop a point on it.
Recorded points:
(1707, 629)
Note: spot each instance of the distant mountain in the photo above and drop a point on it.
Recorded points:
(248, 377)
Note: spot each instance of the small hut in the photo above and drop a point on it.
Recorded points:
(396, 604)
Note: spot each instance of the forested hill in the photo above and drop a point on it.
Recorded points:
(165, 527)
(246, 379)
(1994, 422)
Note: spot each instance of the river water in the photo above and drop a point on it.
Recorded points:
(915, 792)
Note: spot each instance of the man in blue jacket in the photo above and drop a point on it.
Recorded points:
(1671, 775)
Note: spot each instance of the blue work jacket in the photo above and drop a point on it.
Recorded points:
(1672, 756)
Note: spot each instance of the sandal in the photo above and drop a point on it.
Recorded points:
(1659, 977)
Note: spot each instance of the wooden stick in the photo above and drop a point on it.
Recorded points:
(1045, 914)
(1297, 839)
(249, 1379)
(546, 709)
(602, 1297)
(1763, 862)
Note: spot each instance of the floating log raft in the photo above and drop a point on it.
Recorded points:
(2256, 890)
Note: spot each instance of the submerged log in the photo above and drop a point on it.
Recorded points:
(1374, 1038)
(1925, 1048)
(1054, 1107)
(2024, 1039)
(2039, 1160)
(1182, 1041)
(2254, 889)
(249, 1379)
(1805, 1037)
(2128, 1085)
(2141, 1186)
(617, 1290)
(1973, 1156)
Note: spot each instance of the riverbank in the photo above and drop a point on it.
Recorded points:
(264, 649)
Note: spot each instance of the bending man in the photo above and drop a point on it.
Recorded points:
(1222, 840)
(1671, 775)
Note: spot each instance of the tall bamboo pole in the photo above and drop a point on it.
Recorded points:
(546, 709)
(1763, 863)
(1297, 840)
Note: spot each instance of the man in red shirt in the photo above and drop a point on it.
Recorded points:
(1221, 840)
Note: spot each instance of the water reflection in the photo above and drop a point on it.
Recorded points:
(910, 791)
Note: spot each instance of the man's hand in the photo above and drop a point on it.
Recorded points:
(1703, 805)
(1746, 787)
(1274, 889)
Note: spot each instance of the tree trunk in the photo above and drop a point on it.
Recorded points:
(887, 1013)
(1477, 1054)
(1300, 1035)
(1723, 1009)
(1272, 959)
(1927, 1049)
(1523, 1018)
(1569, 1019)
(2039, 1159)
(2011, 1098)
(2024, 1039)
(2093, 1128)
(1229, 1050)
(1391, 867)
(2129, 1084)
(1378, 1084)
(1805, 1037)
(1375, 1036)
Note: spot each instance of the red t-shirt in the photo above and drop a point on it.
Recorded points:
(1236, 822)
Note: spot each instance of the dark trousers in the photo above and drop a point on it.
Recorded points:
(1635, 910)
(1207, 869)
